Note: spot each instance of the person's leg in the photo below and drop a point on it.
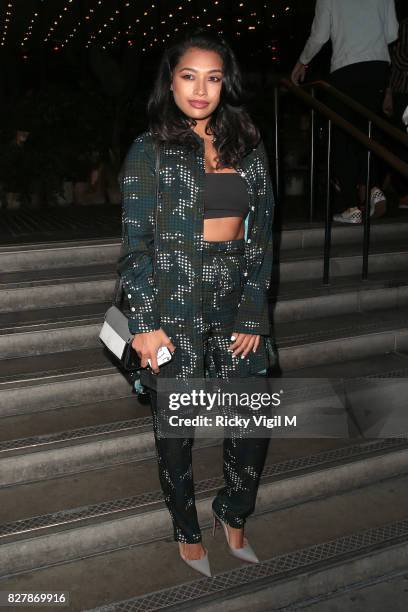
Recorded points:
(243, 457)
(372, 79)
(365, 83)
(176, 479)
(344, 159)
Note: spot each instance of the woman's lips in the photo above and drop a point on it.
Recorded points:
(197, 104)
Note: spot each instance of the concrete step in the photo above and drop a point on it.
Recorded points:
(47, 288)
(31, 541)
(385, 365)
(95, 282)
(89, 435)
(69, 253)
(305, 549)
(51, 330)
(59, 254)
(292, 301)
(98, 437)
(56, 330)
(345, 260)
(69, 378)
(313, 342)
(305, 235)
(75, 438)
(132, 475)
(63, 440)
(61, 328)
(374, 595)
(74, 376)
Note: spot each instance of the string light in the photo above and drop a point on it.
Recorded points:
(95, 35)
(131, 21)
(29, 31)
(7, 19)
(57, 22)
(106, 25)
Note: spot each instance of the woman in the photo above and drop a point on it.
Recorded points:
(207, 301)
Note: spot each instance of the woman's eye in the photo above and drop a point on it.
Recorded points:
(187, 76)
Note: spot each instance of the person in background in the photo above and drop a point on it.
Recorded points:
(396, 98)
(360, 33)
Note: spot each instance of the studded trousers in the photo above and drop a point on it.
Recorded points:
(243, 458)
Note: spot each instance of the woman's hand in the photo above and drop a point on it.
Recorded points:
(147, 344)
(244, 344)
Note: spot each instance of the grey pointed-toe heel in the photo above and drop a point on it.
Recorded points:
(246, 553)
(200, 565)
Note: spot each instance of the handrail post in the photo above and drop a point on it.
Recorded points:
(312, 156)
(277, 152)
(327, 229)
(366, 240)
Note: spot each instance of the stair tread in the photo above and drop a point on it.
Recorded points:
(343, 251)
(307, 225)
(95, 486)
(115, 410)
(314, 287)
(111, 484)
(286, 291)
(63, 274)
(44, 276)
(375, 365)
(70, 418)
(46, 317)
(56, 244)
(287, 334)
(34, 369)
(340, 326)
(295, 530)
(376, 596)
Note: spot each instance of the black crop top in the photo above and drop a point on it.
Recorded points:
(226, 195)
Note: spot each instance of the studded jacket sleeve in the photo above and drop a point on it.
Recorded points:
(135, 265)
(253, 311)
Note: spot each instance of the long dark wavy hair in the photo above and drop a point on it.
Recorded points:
(234, 131)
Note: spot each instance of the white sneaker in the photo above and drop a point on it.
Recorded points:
(378, 203)
(350, 215)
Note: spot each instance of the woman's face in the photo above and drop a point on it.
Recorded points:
(197, 78)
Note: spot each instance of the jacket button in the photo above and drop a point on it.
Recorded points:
(129, 295)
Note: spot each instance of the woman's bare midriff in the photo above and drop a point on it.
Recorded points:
(223, 228)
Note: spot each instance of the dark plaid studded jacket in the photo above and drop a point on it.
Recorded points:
(172, 300)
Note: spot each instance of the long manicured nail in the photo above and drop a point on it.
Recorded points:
(233, 338)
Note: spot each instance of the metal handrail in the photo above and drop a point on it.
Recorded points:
(382, 124)
(357, 134)
(366, 140)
